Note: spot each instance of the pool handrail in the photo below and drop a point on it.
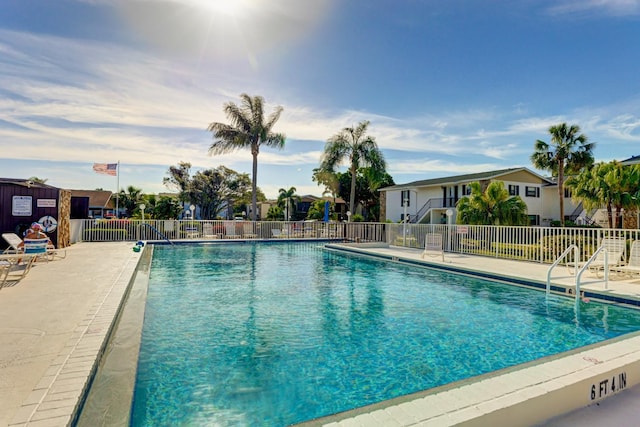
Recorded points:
(576, 254)
(157, 231)
(586, 267)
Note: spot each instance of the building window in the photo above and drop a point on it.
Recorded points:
(532, 191)
(567, 193)
(534, 219)
(514, 190)
(405, 195)
(466, 190)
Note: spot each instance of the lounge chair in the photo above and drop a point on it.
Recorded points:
(37, 247)
(433, 245)
(614, 249)
(169, 228)
(13, 267)
(14, 242)
(248, 231)
(15, 246)
(230, 228)
(207, 231)
(632, 267)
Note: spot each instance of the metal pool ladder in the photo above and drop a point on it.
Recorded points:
(157, 231)
(576, 254)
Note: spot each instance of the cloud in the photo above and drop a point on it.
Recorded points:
(99, 101)
(609, 7)
(433, 167)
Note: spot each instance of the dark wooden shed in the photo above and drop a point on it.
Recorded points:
(23, 202)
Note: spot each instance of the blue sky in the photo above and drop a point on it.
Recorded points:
(449, 86)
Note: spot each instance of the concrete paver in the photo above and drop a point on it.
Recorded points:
(45, 318)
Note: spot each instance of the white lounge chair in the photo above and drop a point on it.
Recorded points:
(611, 256)
(15, 246)
(14, 242)
(433, 245)
(632, 267)
(230, 229)
(248, 231)
(13, 267)
(207, 231)
(283, 234)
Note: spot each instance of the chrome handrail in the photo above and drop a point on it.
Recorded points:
(576, 254)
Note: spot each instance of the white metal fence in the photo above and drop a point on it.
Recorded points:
(133, 230)
(538, 244)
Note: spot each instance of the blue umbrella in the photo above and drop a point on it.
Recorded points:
(326, 212)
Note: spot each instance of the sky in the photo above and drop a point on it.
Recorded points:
(449, 86)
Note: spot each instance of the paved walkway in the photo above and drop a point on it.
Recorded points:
(52, 326)
(54, 322)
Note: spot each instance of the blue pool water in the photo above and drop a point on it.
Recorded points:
(279, 333)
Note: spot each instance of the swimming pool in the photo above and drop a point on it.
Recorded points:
(279, 333)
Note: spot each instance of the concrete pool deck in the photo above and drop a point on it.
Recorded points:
(54, 323)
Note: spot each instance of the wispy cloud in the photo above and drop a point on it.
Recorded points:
(97, 101)
(435, 167)
(609, 7)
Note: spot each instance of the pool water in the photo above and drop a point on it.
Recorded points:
(273, 334)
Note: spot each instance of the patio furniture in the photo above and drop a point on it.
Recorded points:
(13, 241)
(230, 229)
(610, 255)
(248, 231)
(433, 245)
(632, 267)
(207, 231)
(14, 267)
(15, 246)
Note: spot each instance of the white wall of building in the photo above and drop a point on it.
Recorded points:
(541, 199)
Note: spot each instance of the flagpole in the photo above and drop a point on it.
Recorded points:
(117, 188)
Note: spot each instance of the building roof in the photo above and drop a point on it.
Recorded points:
(97, 198)
(25, 183)
(470, 177)
(631, 161)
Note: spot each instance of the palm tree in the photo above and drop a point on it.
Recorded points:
(360, 150)
(607, 184)
(494, 206)
(130, 199)
(248, 129)
(569, 152)
(287, 200)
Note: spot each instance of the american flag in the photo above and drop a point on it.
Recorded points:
(106, 168)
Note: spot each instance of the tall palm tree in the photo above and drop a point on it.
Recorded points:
(360, 150)
(287, 199)
(248, 129)
(569, 152)
(494, 206)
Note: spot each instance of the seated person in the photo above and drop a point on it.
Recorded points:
(34, 232)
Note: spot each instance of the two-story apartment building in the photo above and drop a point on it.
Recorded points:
(433, 201)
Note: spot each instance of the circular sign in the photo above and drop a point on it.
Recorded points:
(48, 223)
